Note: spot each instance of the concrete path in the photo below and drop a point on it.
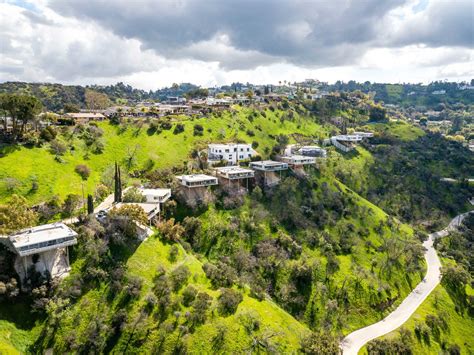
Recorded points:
(353, 342)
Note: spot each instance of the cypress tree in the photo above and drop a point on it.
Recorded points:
(117, 184)
(90, 204)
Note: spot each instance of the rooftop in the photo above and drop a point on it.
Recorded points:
(85, 115)
(195, 177)
(47, 236)
(268, 165)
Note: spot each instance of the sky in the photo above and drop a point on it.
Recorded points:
(150, 44)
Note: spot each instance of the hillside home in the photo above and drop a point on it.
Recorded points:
(347, 142)
(312, 151)
(232, 177)
(44, 248)
(232, 153)
(84, 117)
(195, 188)
(267, 171)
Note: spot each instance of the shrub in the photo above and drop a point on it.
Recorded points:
(173, 254)
(189, 295)
(133, 195)
(48, 134)
(170, 231)
(83, 171)
(228, 301)
(179, 276)
(179, 128)
(250, 133)
(57, 148)
(198, 130)
(221, 275)
(255, 144)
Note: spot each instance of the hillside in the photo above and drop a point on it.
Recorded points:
(400, 170)
(313, 254)
(443, 323)
(139, 147)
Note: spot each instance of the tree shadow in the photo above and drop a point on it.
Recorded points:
(6, 149)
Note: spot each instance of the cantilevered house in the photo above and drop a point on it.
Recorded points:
(297, 162)
(44, 248)
(234, 178)
(347, 142)
(267, 171)
(195, 188)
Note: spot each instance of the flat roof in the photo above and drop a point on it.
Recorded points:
(155, 192)
(195, 177)
(44, 233)
(233, 169)
(85, 115)
(267, 163)
(311, 147)
(298, 157)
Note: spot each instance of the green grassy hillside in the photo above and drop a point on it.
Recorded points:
(165, 150)
(144, 330)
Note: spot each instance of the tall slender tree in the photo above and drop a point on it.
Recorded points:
(117, 184)
(90, 204)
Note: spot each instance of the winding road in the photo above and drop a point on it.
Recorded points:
(352, 343)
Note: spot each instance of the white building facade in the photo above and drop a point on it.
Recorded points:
(232, 153)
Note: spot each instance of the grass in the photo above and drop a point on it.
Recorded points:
(27, 165)
(285, 331)
(399, 129)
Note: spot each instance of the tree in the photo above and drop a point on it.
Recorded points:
(21, 109)
(133, 195)
(16, 215)
(68, 107)
(57, 148)
(228, 301)
(96, 100)
(179, 276)
(377, 114)
(71, 203)
(170, 231)
(117, 184)
(90, 204)
(130, 211)
(320, 344)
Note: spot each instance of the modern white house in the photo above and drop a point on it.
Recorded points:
(295, 160)
(195, 188)
(156, 195)
(347, 142)
(197, 180)
(267, 170)
(232, 153)
(44, 247)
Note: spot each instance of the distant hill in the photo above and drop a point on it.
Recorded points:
(55, 96)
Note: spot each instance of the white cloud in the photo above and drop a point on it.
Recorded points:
(153, 44)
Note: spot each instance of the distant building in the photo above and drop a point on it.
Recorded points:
(84, 117)
(43, 248)
(346, 142)
(439, 92)
(295, 160)
(231, 152)
(312, 151)
(175, 100)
